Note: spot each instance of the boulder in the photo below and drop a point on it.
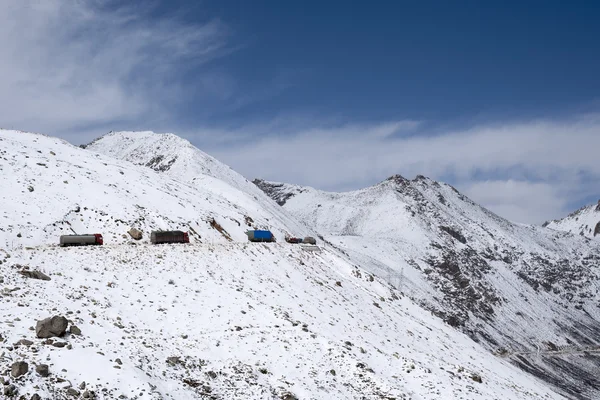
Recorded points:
(18, 369)
(135, 233)
(51, 327)
(35, 275)
(74, 330)
(42, 370)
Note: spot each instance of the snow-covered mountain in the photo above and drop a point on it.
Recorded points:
(584, 222)
(215, 319)
(59, 188)
(526, 292)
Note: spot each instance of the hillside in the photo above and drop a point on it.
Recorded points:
(176, 158)
(583, 222)
(215, 319)
(51, 187)
(524, 292)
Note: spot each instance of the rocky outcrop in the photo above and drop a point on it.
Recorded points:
(51, 327)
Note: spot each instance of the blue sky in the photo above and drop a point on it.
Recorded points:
(499, 99)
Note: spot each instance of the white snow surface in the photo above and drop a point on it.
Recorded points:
(583, 222)
(214, 319)
(518, 289)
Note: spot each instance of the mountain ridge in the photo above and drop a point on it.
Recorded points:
(506, 285)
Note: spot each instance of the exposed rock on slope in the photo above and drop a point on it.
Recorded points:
(514, 288)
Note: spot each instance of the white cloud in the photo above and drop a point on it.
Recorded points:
(71, 64)
(531, 171)
(519, 200)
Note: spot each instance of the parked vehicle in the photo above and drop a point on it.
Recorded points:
(293, 240)
(260, 236)
(309, 240)
(157, 237)
(81, 240)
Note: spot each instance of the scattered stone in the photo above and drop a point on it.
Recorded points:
(35, 275)
(82, 385)
(172, 361)
(50, 327)
(476, 378)
(288, 396)
(74, 330)
(60, 345)
(118, 361)
(338, 283)
(88, 395)
(42, 370)
(332, 372)
(212, 374)
(36, 397)
(73, 392)
(238, 328)
(10, 390)
(24, 342)
(30, 188)
(136, 234)
(18, 369)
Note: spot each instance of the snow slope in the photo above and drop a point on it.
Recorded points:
(516, 289)
(52, 187)
(178, 159)
(215, 319)
(584, 222)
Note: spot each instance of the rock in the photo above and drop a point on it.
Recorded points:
(82, 385)
(75, 330)
(88, 395)
(18, 369)
(36, 397)
(476, 378)
(136, 234)
(118, 361)
(172, 361)
(50, 327)
(10, 391)
(35, 275)
(73, 392)
(42, 370)
(60, 345)
(288, 396)
(212, 374)
(24, 342)
(30, 188)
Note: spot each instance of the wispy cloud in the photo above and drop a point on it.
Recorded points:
(67, 65)
(526, 171)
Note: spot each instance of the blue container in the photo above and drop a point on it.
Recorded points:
(260, 236)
